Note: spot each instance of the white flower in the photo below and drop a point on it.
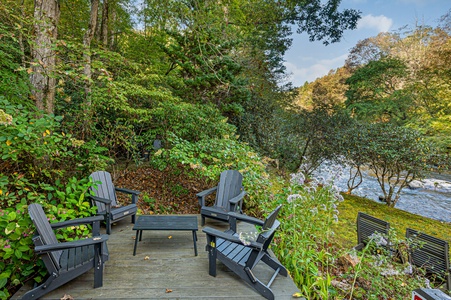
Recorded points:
(297, 178)
(339, 198)
(314, 211)
(293, 197)
(379, 239)
(408, 269)
(390, 272)
(427, 283)
(247, 237)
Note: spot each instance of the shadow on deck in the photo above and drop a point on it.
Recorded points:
(164, 268)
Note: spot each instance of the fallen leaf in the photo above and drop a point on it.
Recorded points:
(146, 258)
(296, 295)
(168, 291)
(170, 237)
(67, 297)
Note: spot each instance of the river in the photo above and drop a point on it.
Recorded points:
(429, 197)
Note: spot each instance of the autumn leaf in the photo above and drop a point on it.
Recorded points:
(296, 295)
(170, 237)
(146, 258)
(8, 143)
(168, 291)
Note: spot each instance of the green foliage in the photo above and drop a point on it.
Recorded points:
(309, 138)
(62, 202)
(16, 250)
(396, 155)
(376, 91)
(303, 242)
(209, 157)
(14, 83)
(191, 122)
(34, 147)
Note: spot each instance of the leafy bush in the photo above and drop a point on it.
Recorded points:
(35, 148)
(302, 244)
(209, 157)
(16, 251)
(37, 163)
(61, 202)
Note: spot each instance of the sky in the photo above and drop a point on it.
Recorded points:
(306, 61)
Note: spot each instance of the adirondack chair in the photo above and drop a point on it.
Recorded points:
(241, 258)
(431, 254)
(229, 197)
(104, 198)
(367, 226)
(68, 260)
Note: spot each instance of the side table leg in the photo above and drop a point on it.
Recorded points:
(136, 241)
(194, 240)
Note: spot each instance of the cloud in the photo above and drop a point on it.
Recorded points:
(300, 75)
(380, 23)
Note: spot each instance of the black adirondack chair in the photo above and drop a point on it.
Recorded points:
(367, 226)
(104, 197)
(68, 260)
(431, 254)
(229, 197)
(242, 258)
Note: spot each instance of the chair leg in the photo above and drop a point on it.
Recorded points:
(108, 226)
(40, 290)
(211, 260)
(202, 223)
(274, 265)
(263, 290)
(133, 219)
(98, 267)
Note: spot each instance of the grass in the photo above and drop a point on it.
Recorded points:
(323, 266)
(346, 230)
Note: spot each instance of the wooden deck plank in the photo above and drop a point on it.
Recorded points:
(171, 266)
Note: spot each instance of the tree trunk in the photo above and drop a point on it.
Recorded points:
(87, 68)
(104, 27)
(87, 45)
(111, 33)
(46, 14)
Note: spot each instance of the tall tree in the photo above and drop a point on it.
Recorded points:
(104, 24)
(89, 34)
(46, 14)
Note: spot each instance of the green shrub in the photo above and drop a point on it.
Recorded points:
(35, 148)
(209, 157)
(61, 202)
(302, 244)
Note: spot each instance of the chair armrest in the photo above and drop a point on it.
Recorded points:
(69, 245)
(130, 192)
(127, 191)
(229, 237)
(201, 196)
(246, 219)
(103, 200)
(238, 198)
(75, 222)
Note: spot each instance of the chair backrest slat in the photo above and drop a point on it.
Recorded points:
(368, 225)
(230, 185)
(430, 252)
(45, 231)
(269, 228)
(105, 189)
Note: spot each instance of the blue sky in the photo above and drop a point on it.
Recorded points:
(306, 61)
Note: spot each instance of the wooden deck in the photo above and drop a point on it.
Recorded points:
(164, 268)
